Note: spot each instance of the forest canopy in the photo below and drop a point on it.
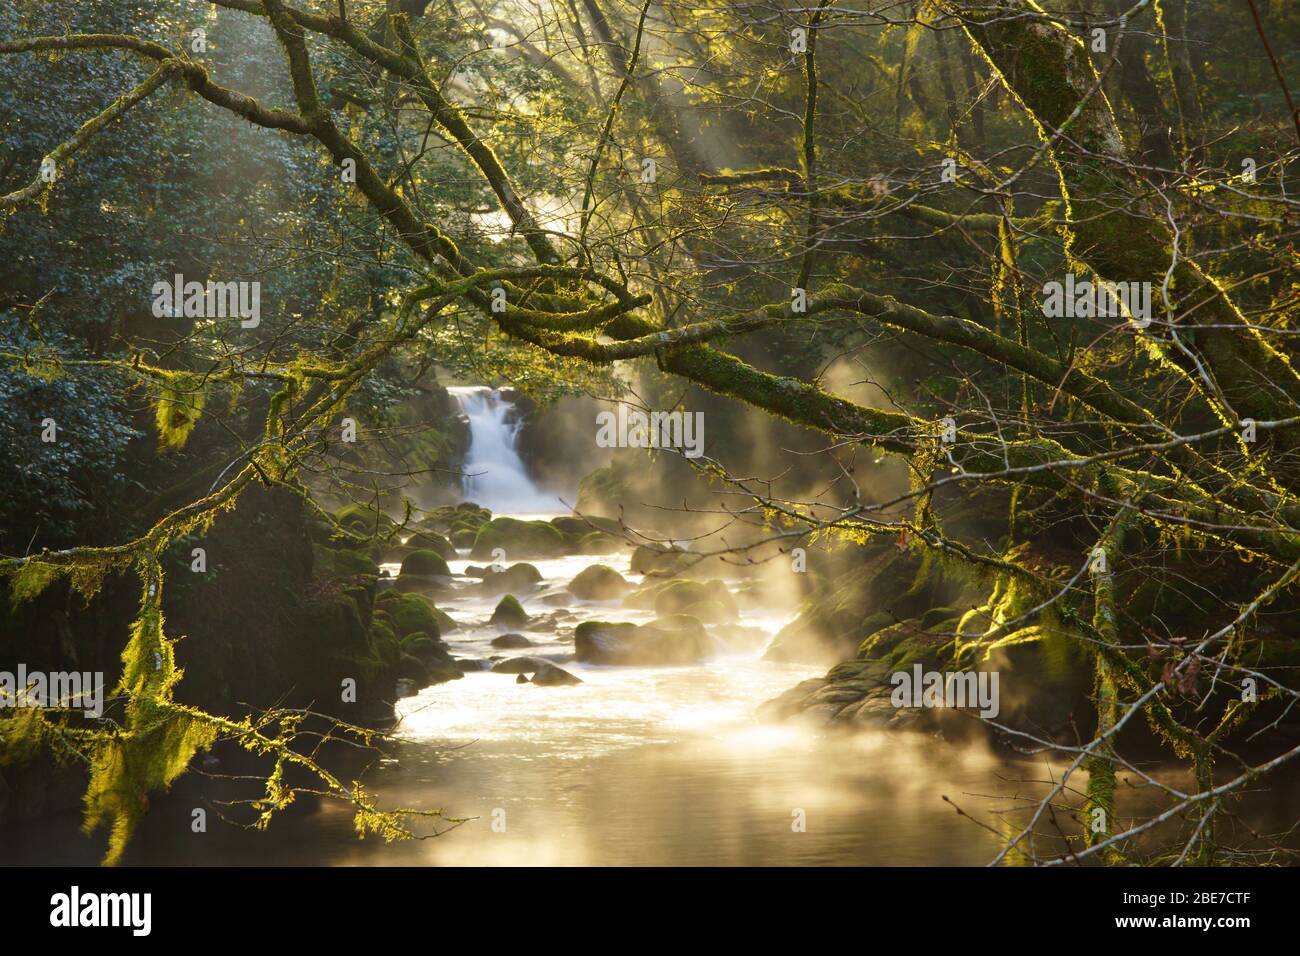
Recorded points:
(1058, 240)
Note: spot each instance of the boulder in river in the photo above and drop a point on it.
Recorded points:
(424, 562)
(679, 639)
(712, 599)
(553, 676)
(598, 583)
(519, 539)
(426, 648)
(511, 642)
(509, 612)
(428, 539)
(520, 665)
(423, 570)
(408, 613)
(661, 561)
(516, 579)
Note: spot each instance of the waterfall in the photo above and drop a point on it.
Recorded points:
(495, 476)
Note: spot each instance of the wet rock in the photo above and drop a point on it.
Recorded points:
(426, 649)
(428, 539)
(521, 679)
(598, 583)
(511, 642)
(468, 664)
(423, 570)
(516, 579)
(443, 673)
(597, 542)
(509, 613)
(553, 676)
(657, 560)
(675, 640)
(520, 665)
(408, 614)
(413, 669)
(519, 539)
(364, 521)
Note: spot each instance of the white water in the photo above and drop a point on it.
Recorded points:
(495, 476)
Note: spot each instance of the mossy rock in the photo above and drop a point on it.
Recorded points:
(597, 542)
(424, 563)
(647, 559)
(874, 623)
(516, 579)
(681, 597)
(511, 642)
(937, 615)
(462, 538)
(679, 639)
(570, 526)
(442, 673)
(509, 612)
(446, 624)
(330, 562)
(413, 669)
(426, 648)
(520, 665)
(408, 613)
(519, 539)
(598, 583)
(365, 521)
(435, 542)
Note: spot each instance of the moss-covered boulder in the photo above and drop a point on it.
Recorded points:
(435, 542)
(511, 642)
(364, 521)
(329, 562)
(519, 539)
(520, 665)
(659, 561)
(408, 613)
(426, 648)
(424, 563)
(597, 542)
(710, 600)
(598, 583)
(509, 613)
(679, 639)
(516, 579)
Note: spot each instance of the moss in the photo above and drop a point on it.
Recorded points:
(341, 562)
(365, 521)
(424, 562)
(519, 539)
(510, 612)
(409, 613)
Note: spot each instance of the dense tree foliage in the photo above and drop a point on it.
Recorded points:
(723, 197)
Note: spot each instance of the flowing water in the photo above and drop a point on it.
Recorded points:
(636, 765)
(493, 470)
